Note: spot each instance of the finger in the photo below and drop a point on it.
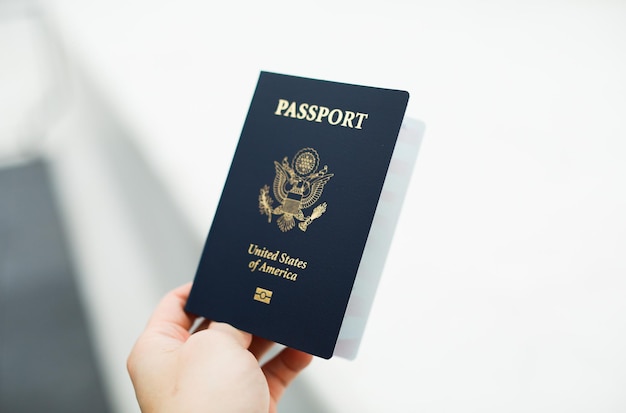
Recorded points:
(260, 346)
(282, 369)
(169, 317)
(241, 337)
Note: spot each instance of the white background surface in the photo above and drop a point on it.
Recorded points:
(505, 286)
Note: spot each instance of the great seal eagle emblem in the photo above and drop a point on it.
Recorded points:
(297, 186)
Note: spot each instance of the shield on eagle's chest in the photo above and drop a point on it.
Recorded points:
(292, 203)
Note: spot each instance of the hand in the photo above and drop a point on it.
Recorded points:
(215, 369)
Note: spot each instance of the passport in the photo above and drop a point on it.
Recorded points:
(288, 236)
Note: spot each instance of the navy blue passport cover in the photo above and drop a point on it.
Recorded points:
(288, 234)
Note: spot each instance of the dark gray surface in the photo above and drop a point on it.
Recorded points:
(46, 359)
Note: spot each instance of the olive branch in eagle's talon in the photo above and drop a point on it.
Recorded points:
(265, 203)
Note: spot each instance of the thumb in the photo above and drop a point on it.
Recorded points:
(242, 338)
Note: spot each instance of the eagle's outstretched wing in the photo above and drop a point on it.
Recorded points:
(317, 186)
(282, 175)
